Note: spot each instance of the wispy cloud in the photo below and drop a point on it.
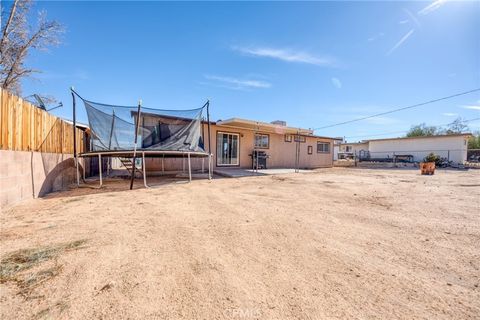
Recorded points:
(403, 21)
(400, 42)
(472, 107)
(337, 83)
(376, 37)
(412, 17)
(432, 7)
(286, 55)
(450, 114)
(236, 83)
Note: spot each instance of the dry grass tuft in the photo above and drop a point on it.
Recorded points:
(24, 259)
(49, 312)
(68, 200)
(33, 280)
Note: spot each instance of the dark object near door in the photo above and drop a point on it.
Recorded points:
(259, 159)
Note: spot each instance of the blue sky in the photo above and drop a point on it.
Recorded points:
(310, 63)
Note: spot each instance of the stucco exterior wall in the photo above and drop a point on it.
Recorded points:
(453, 148)
(281, 153)
(26, 175)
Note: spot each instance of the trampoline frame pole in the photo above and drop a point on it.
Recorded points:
(100, 169)
(144, 171)
(209, 143)
(134, 167)
(75, 135)
(109, 163)
(209, 167)
(189, 168)
(111, 129)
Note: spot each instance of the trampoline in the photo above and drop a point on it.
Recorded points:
(134, 132)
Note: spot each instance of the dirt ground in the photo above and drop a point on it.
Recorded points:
(331, 244)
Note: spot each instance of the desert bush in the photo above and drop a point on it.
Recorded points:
(432, 157)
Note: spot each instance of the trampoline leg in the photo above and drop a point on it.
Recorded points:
(83, 170)
(78, 174)
(203, 165)
(183, 163)
(163, 164)
(189, 169)
(209, 167)
(100, 168)
(144, 171)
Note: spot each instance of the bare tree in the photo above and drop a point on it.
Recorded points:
(19, 37)
(457, 126)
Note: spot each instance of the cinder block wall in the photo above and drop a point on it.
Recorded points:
(27, 175)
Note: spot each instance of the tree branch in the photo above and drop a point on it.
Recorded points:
(17, 40)
(7, 25)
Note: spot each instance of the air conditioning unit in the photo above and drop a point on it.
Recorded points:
(280, 123)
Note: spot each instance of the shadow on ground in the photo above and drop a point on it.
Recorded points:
(110, 185)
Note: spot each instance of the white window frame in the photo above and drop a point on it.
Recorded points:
(261, 135)
(323, 149)
(299, 138)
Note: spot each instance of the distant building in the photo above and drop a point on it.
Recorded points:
(349, 150)
(452, 147)
(336, 147)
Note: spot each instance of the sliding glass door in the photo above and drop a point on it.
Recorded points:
(228, 149)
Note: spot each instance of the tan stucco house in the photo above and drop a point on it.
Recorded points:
(234, 140)
(280, 142)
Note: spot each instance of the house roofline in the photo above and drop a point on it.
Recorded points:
(246, 123)
(261, 126)
(466, 134)
(344, 143)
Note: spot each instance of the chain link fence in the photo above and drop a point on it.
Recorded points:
(456, 158)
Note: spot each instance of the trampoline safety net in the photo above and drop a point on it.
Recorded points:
(113, 128)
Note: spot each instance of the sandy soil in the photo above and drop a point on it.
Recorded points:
(331, 244)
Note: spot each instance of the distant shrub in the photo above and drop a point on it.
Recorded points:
(432, 157)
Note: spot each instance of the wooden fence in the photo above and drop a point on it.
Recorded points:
(24, 127)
